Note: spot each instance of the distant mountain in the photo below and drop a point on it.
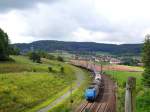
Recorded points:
(51, 45)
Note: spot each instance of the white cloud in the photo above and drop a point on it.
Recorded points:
(111, 21)
(15, 26)
(87, 35)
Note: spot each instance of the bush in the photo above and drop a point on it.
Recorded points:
(35, 57)
(14, 50)
(50, 69)
(130, 61)
(34, 70)
(62, 69)
(44, 54)
(51, 57)
(59, 58)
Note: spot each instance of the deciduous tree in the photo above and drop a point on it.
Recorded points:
(146, 61)
(4, 45)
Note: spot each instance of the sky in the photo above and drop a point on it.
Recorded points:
(101, 21)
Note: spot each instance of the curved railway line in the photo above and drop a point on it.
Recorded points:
(106, 101)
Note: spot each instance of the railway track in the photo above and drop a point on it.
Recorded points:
(90, 107)
(105, 102)
(87, 106)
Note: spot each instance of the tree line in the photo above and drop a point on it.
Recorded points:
(36, 56)
(82, 48)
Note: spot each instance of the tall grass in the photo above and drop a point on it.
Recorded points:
(77, 97)
(24, 84)
(142, 93)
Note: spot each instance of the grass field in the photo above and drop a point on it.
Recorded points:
(137, 68)
(25, 85)
(143, 94)
(77, 97)
(63, 54)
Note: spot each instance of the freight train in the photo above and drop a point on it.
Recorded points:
(93, 90)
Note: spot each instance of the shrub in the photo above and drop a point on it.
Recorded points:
(59, 58)
(62, 69)
(35, 57)
(34, 70)
(50, 69)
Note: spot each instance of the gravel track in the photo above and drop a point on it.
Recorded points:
(79, 80)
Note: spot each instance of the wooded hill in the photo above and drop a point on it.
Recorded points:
(52, 45)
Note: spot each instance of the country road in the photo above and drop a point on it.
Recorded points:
(79, 80)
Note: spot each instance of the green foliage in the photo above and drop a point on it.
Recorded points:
(5, 48)
(130, 61)
(22, 64)
(25, 90)
(146, 77)
(44, 54)
(143, 102)
(122, 76)
(146, 51)
(14, 50)
(82, 47)
(10, 67)
(4, 45)
(59, 58)
(146, 61)
(142, 94)
(35, 57)
(77, 96)
(50, 69)
(62, 69)
(51, 57)
(21, 89)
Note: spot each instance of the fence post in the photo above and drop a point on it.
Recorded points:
(130, 95)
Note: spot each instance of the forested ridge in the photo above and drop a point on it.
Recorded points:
(52, 45)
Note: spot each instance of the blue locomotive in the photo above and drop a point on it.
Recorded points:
(93, 90)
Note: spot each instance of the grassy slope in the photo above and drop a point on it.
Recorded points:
(143, 94)
(21, 89)
(77, 97)
(65, 55)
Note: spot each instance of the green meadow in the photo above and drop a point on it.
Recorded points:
(25, 85)
(77, 97)
(142, 93)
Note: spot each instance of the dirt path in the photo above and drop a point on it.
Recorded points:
(79, 80)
